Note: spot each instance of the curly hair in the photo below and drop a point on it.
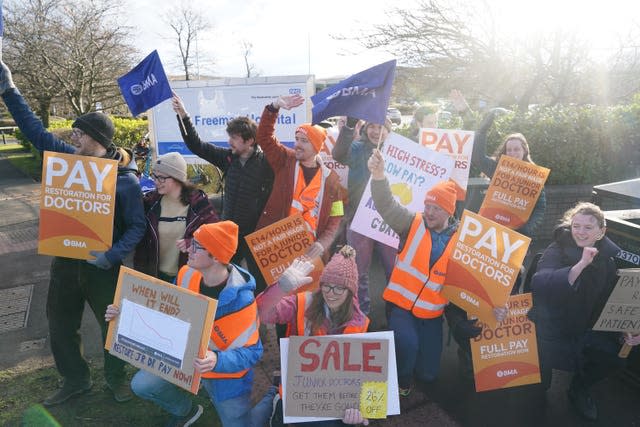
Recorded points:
(584, 208)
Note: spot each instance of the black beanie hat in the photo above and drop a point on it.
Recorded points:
(98, 126)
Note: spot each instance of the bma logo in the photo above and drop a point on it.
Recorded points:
(137, 89)
(295, 91)
(470, 299)
(74, 243)
(507, 373)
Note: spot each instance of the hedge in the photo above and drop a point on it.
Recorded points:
(127, 132)
(580, 144)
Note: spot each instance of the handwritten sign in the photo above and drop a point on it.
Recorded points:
(161, 328)
(411, 170)
(325, 375)
(276, 246)
(484, 265)
(76, 205)
(515, 187)
(622, 311)
(507, 355)
(458, 144)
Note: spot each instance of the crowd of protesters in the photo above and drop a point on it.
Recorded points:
(177, 235)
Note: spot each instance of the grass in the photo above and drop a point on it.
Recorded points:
(23, 387)
(22, 159)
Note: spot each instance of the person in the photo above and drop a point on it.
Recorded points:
(234, 347)
(355, 154)
(73, 281)
(174, 210)
(425, 116)
(332, 309)
(304, 184)
(572, 283)
(514, 145)
(415, 304)
(248, 177)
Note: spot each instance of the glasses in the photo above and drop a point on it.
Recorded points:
(338, 290)
(159, 178)
(195, 246)
(77, 133)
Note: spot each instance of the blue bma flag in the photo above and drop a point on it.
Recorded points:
(364, 95)
(146, 85)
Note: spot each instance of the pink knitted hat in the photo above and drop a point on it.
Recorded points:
(342, 270)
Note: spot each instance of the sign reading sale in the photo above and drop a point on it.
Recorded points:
(76, 205)
(484, 265)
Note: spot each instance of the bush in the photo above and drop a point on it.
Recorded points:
(580, 144)
(127, 132)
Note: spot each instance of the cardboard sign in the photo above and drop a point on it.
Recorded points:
(411, 171)
(458, 144)
(76, 205)
(161, 328)
(507, 355)
(484, 265)
(622, 311)
(325, 375)
(513, 192)
(276, 246)
(327, 158)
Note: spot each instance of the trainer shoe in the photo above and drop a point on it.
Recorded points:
(404, 392)
(121, 391)
(67, 391)
(187, 420)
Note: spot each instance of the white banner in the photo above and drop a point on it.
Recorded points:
(212, 104)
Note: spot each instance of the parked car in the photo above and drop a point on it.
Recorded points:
(394, 115)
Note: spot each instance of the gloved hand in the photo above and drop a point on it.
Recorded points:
(468, 329)
(288, 101)
(295, 276)
(101, 260)
(6, 81)
(316, 249)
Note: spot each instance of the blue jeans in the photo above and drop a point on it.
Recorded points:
(418, 345)
(232, 412)
(365, 247)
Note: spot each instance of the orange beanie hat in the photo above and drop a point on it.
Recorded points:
(443, 194)
(219, 239)
(315, 134)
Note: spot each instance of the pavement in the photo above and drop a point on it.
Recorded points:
(450, 401)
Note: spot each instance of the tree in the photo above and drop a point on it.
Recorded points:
(246, 51)
(76, 50)
(186, 23)
(458, 44)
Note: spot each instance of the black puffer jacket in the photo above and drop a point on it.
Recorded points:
(561, 310)
(246, 187)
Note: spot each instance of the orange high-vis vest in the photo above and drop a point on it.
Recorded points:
(233, 330)
(413, 286)
(303, 300)
(307, 199)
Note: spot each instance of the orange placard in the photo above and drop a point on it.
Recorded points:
(484, 265)
(513, 192)
(276, 246)
(76, 205)
(457, 144)
(162, 328)
(507, 355)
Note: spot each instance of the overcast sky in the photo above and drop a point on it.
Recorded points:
(293, 37)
